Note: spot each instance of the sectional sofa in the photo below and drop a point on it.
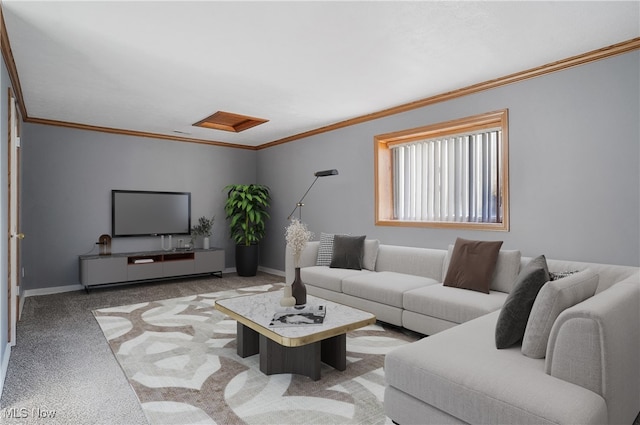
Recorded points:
(584, 370)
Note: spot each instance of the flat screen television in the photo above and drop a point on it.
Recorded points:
(149, 213)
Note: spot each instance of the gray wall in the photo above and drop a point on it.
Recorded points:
(574, 177)
(574, 140)
(68, 176)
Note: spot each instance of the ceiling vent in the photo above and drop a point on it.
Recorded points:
(229, 122)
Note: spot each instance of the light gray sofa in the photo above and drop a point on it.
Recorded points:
(402, 286)
(590, 374)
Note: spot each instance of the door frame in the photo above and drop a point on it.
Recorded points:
(13, 229)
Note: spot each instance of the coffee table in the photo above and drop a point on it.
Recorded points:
(298, 349)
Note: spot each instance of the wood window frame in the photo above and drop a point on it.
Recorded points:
(383, 172)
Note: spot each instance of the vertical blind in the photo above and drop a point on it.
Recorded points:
(455, 178)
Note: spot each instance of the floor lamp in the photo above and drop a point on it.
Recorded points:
(318, 174)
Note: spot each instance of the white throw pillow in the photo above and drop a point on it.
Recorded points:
(507, 270)
(325, 249)
(554, 297)
(370, 254)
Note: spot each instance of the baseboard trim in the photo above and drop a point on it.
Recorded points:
(22, 299)
(52, 290)
(272, 271)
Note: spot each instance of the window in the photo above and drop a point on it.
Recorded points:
(452, 174)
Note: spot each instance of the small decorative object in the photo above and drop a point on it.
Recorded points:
(105, 244)
(287, 300)
(298, 290)
(170, 245)
(297, 236)
(298, 316)
(203, 228)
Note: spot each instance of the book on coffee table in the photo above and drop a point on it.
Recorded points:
(298, 316)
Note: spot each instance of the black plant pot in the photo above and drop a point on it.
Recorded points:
(247, 260)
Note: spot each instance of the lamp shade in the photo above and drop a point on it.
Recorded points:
(325, 173)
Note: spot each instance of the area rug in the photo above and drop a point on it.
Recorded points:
(179, 356)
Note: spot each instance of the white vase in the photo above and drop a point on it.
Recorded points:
(205, 243)
(287, 299)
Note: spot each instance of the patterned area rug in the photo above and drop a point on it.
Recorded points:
(179, 356)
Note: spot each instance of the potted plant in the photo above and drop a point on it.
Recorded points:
(246, 209)
(203, 228)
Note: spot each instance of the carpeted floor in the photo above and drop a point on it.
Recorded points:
(62, 370)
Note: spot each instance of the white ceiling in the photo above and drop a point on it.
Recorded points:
(159, 67)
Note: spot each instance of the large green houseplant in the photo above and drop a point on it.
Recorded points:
(246, 209)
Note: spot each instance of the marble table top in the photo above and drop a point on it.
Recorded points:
(256, 311)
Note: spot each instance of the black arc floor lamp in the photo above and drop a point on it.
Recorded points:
(318, 174)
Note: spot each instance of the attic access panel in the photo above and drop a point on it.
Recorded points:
(228, 121)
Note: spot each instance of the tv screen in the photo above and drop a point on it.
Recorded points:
(147, 213)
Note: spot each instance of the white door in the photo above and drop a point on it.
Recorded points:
(14, 235)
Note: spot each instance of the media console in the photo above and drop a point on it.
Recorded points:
(137, 266)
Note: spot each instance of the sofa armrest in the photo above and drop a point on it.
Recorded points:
(307, 258)
(595, 344)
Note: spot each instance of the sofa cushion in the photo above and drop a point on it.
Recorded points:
(325, 250)
(348, 252)
(517, 307)
(423, 262)
(327, 278)
(472, 264)
(506, 272)
(461, 373)
(383, 287)
(554, 297)
(370, 254)
(452, 304)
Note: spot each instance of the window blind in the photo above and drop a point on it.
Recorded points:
(453, 178)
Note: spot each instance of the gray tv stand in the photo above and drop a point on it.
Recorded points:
(148, 265)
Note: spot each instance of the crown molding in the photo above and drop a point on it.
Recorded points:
(135, 133)
(592, 56)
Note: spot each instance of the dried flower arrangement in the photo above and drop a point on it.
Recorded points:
(297, 236)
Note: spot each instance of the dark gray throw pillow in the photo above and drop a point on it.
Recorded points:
(513, 317)
(348, 252)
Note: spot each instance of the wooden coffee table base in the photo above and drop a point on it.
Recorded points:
(303, 360)
(297, 349)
